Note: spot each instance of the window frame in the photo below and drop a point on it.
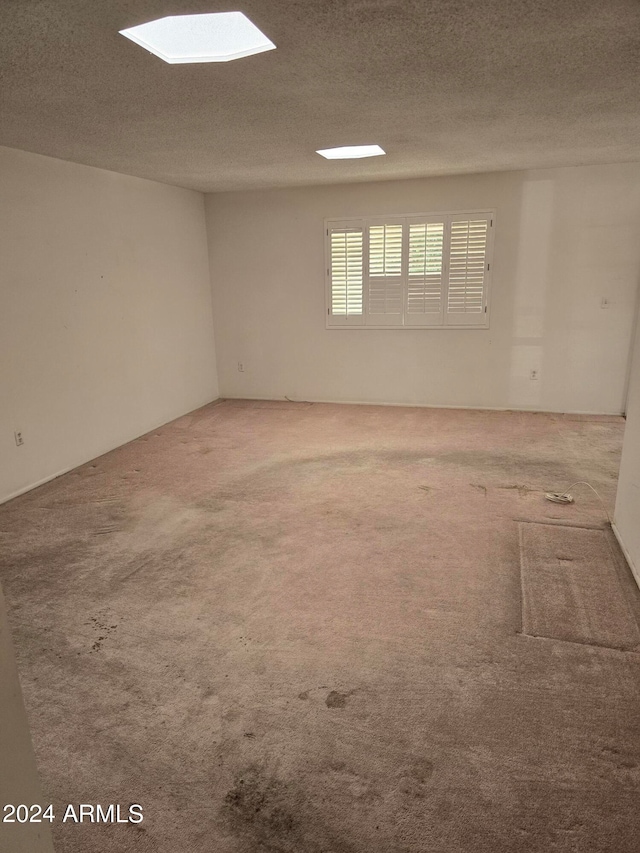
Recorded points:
(359, 321)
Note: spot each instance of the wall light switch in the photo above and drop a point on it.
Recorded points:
(605, 302)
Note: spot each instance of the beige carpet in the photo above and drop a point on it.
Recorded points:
(296, 628)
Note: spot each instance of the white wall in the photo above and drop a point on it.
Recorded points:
(105, 312)
(627, 512)
(564, 239)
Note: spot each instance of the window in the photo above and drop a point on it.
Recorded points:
(410, 271)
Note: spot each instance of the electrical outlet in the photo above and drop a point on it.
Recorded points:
(241, 367)
(18, 437)
(534, 374)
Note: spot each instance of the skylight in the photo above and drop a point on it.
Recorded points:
(351, 152)
(217, 37)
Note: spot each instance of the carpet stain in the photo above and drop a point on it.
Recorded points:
(259, 803)
(270, 815)
(413, 782)
(335, 699)
(521, 489)
(103, 629)
(613, 755)
(507, 462)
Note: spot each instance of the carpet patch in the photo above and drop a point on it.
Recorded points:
(570, 588)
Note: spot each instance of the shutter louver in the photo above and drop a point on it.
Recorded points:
(424, 284)
(385, 274)
(346, 272)
(414, 271)
(467, 264)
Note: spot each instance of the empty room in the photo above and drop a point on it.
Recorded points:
(319, 426)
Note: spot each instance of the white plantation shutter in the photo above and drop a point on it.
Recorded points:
(424, 300)
(346, 271)
(384, 284)
(467, 270)
(409, 271)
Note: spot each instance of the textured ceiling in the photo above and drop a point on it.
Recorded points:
(445, 86)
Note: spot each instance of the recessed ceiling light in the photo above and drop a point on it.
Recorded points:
(351, 152)
(217, 37)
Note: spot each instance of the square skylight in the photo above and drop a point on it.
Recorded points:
(216, 37)
(351, 152)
